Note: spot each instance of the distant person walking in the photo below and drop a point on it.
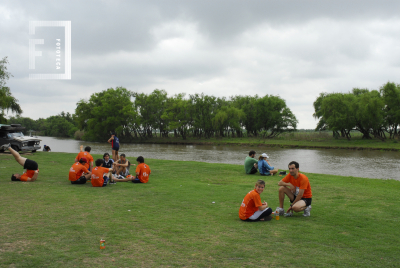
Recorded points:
(32, 168)
(251, 164)
(114, 146)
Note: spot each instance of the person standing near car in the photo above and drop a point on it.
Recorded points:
(114, 146)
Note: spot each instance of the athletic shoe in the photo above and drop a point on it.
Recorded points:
(112, 182)
(307, 211)
(5, 146)
(280, 210)
(289, 214)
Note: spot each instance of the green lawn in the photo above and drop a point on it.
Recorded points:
(172, 222)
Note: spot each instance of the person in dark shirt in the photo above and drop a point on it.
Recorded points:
(108, 162)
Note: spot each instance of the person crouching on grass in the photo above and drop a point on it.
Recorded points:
(98, 178)
(252, 209)
(142, 173)
(76, 175)
(32, 168)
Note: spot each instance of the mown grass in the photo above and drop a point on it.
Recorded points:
(305, 139)
(172, 222)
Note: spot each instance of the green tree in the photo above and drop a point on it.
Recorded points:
(106, 111)
(390, 93)
(178, 113)
(7, 100)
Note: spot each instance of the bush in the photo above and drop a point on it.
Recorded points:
(78, 135)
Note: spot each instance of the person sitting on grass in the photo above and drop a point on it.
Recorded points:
(264, 167)
(142, 173)
(252, 209)
(297, 187)
(107, 161)
(86, 154)
(76, 172)
(251, 164)
(99, 178)
(121, 167)
(32, 168)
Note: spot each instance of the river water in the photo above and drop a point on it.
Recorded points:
(362, 163)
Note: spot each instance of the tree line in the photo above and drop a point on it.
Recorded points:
(138, 115)
(373, 113)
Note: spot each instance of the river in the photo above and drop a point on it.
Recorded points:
(357, 163)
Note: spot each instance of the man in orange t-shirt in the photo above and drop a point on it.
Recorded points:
(87, 155)
(76, 172)
(297, 187)
(142, 173)
(251, 208)
(98, 178)
(32, 168)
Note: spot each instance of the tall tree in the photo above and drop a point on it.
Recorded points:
(7, 100)
(109, 110)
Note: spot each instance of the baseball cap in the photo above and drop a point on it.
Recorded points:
(265, 155)
(83, 159)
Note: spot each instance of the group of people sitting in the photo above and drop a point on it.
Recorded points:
(294, 185)
(106, 171)
(251, 165)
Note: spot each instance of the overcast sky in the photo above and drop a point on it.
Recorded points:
(294, 49)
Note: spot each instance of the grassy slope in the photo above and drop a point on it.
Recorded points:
(172, 221)
(300, 139)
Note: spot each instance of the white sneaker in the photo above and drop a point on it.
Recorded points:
(289, 214)
(307, 211)
(281, 211)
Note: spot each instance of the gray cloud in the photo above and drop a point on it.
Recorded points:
(294, 49)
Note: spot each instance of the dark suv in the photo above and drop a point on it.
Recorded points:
(13, 134)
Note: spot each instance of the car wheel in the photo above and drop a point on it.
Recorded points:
(15, 147)
(33, 151)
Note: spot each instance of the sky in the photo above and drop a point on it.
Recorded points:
(288, 48)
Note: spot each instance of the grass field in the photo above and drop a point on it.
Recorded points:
(172, 222)
(297, 139)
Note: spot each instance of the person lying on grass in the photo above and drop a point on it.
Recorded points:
(32, 168)
(142, 173)
(76, 172)
(252, 209)
(86, 154)
(264, 167)
(121, 167)
(99, 178)
(297, 187)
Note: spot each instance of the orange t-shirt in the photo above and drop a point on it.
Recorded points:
(144, 172)
(250, 204)
(75, 172)
(88, 157)
(28, 174)
(97, 176)
(301, 182)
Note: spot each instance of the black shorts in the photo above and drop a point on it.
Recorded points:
(81, 180)
(136, 180)
(307, 200)
(31, 165)
(253, 170)
(115, 148)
